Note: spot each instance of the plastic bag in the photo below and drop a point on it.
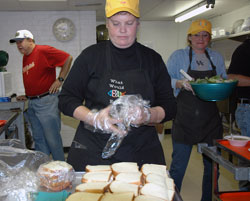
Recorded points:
(18, 168)
(126, 108)
(56, 175)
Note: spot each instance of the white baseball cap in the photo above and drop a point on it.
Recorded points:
(20, 35)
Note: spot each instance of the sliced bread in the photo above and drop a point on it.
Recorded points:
(124, 167)
(147, 198)
(130, 177)
(97, 168)
(103, 176)
(154, 168)
(92, 187)
(128, 196)
(84, 196)
(157, 191)
(164, 181)
(121, 187)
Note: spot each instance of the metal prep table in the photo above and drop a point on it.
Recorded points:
(240, 173)
(14, 127)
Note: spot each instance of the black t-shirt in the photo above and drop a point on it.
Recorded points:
(240, 64)
(92, 61)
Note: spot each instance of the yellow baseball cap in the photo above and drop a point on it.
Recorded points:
(115, 6)
(200, 25)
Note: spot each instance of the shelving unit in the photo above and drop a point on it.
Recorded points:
(237, 37)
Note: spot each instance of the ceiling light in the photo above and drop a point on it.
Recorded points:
(196, 10)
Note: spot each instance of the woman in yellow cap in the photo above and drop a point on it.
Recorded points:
(106, 71)
(196, 121)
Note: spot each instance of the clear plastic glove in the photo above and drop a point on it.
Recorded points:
(139, 115)
(102, 121)
(184, 84)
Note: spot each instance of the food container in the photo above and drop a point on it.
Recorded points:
(237, 140)
(214, 91)
(5, 99)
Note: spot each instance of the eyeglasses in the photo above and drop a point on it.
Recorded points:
(204, 35)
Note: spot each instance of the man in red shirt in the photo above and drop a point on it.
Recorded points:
(41, 89)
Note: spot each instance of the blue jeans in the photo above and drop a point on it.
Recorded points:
(180, 157)
(242, 116)
(44, 117)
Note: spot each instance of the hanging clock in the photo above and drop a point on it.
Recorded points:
(64, 29)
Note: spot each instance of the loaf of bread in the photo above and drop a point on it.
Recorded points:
(122, 187)
(124, 167)
(97, 168)
(129, 177)
(56, 175)
(84, 196)
(128, 196)
(92, 187)
(102, 176)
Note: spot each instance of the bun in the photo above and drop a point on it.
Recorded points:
(129, 177)
(122, 187)
(118, 196)
(92, 187)
(84, 196)
(56, 175)
(124, 167)
(102, 176)
(97, 168)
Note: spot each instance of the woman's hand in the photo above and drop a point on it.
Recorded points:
(103, 121)
(139, 116)
(184, 84)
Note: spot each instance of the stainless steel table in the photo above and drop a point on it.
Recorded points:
(13, 113)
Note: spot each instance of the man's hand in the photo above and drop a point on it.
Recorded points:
(55, 87)
(21, 98)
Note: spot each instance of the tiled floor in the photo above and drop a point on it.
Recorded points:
(191, 187)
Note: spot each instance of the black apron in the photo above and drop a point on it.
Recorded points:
(141, 145)
(196, 120)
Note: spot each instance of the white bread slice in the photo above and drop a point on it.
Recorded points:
(97, 168)
(147, 198)
(84, 196)
(157, 191)
(130, 177)
(103, 176)
(160, 180)
(92, 187)
(121, 187)
(154, 168)
(128, 196)
(170, 184)
(124, 167)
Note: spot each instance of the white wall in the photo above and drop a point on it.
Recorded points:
(227, 47)
(40, 24)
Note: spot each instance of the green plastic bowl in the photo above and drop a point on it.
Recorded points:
(214, 91)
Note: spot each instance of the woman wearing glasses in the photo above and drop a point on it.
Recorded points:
(197, 121)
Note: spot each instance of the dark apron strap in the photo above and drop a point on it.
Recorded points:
(191, 56)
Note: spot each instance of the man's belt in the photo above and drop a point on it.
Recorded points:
(244, 101)
(38, 96)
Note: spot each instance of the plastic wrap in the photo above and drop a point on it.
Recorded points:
(133, 111)
(18, 168)
(56, 175)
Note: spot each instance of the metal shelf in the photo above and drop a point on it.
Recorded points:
(237, 37)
